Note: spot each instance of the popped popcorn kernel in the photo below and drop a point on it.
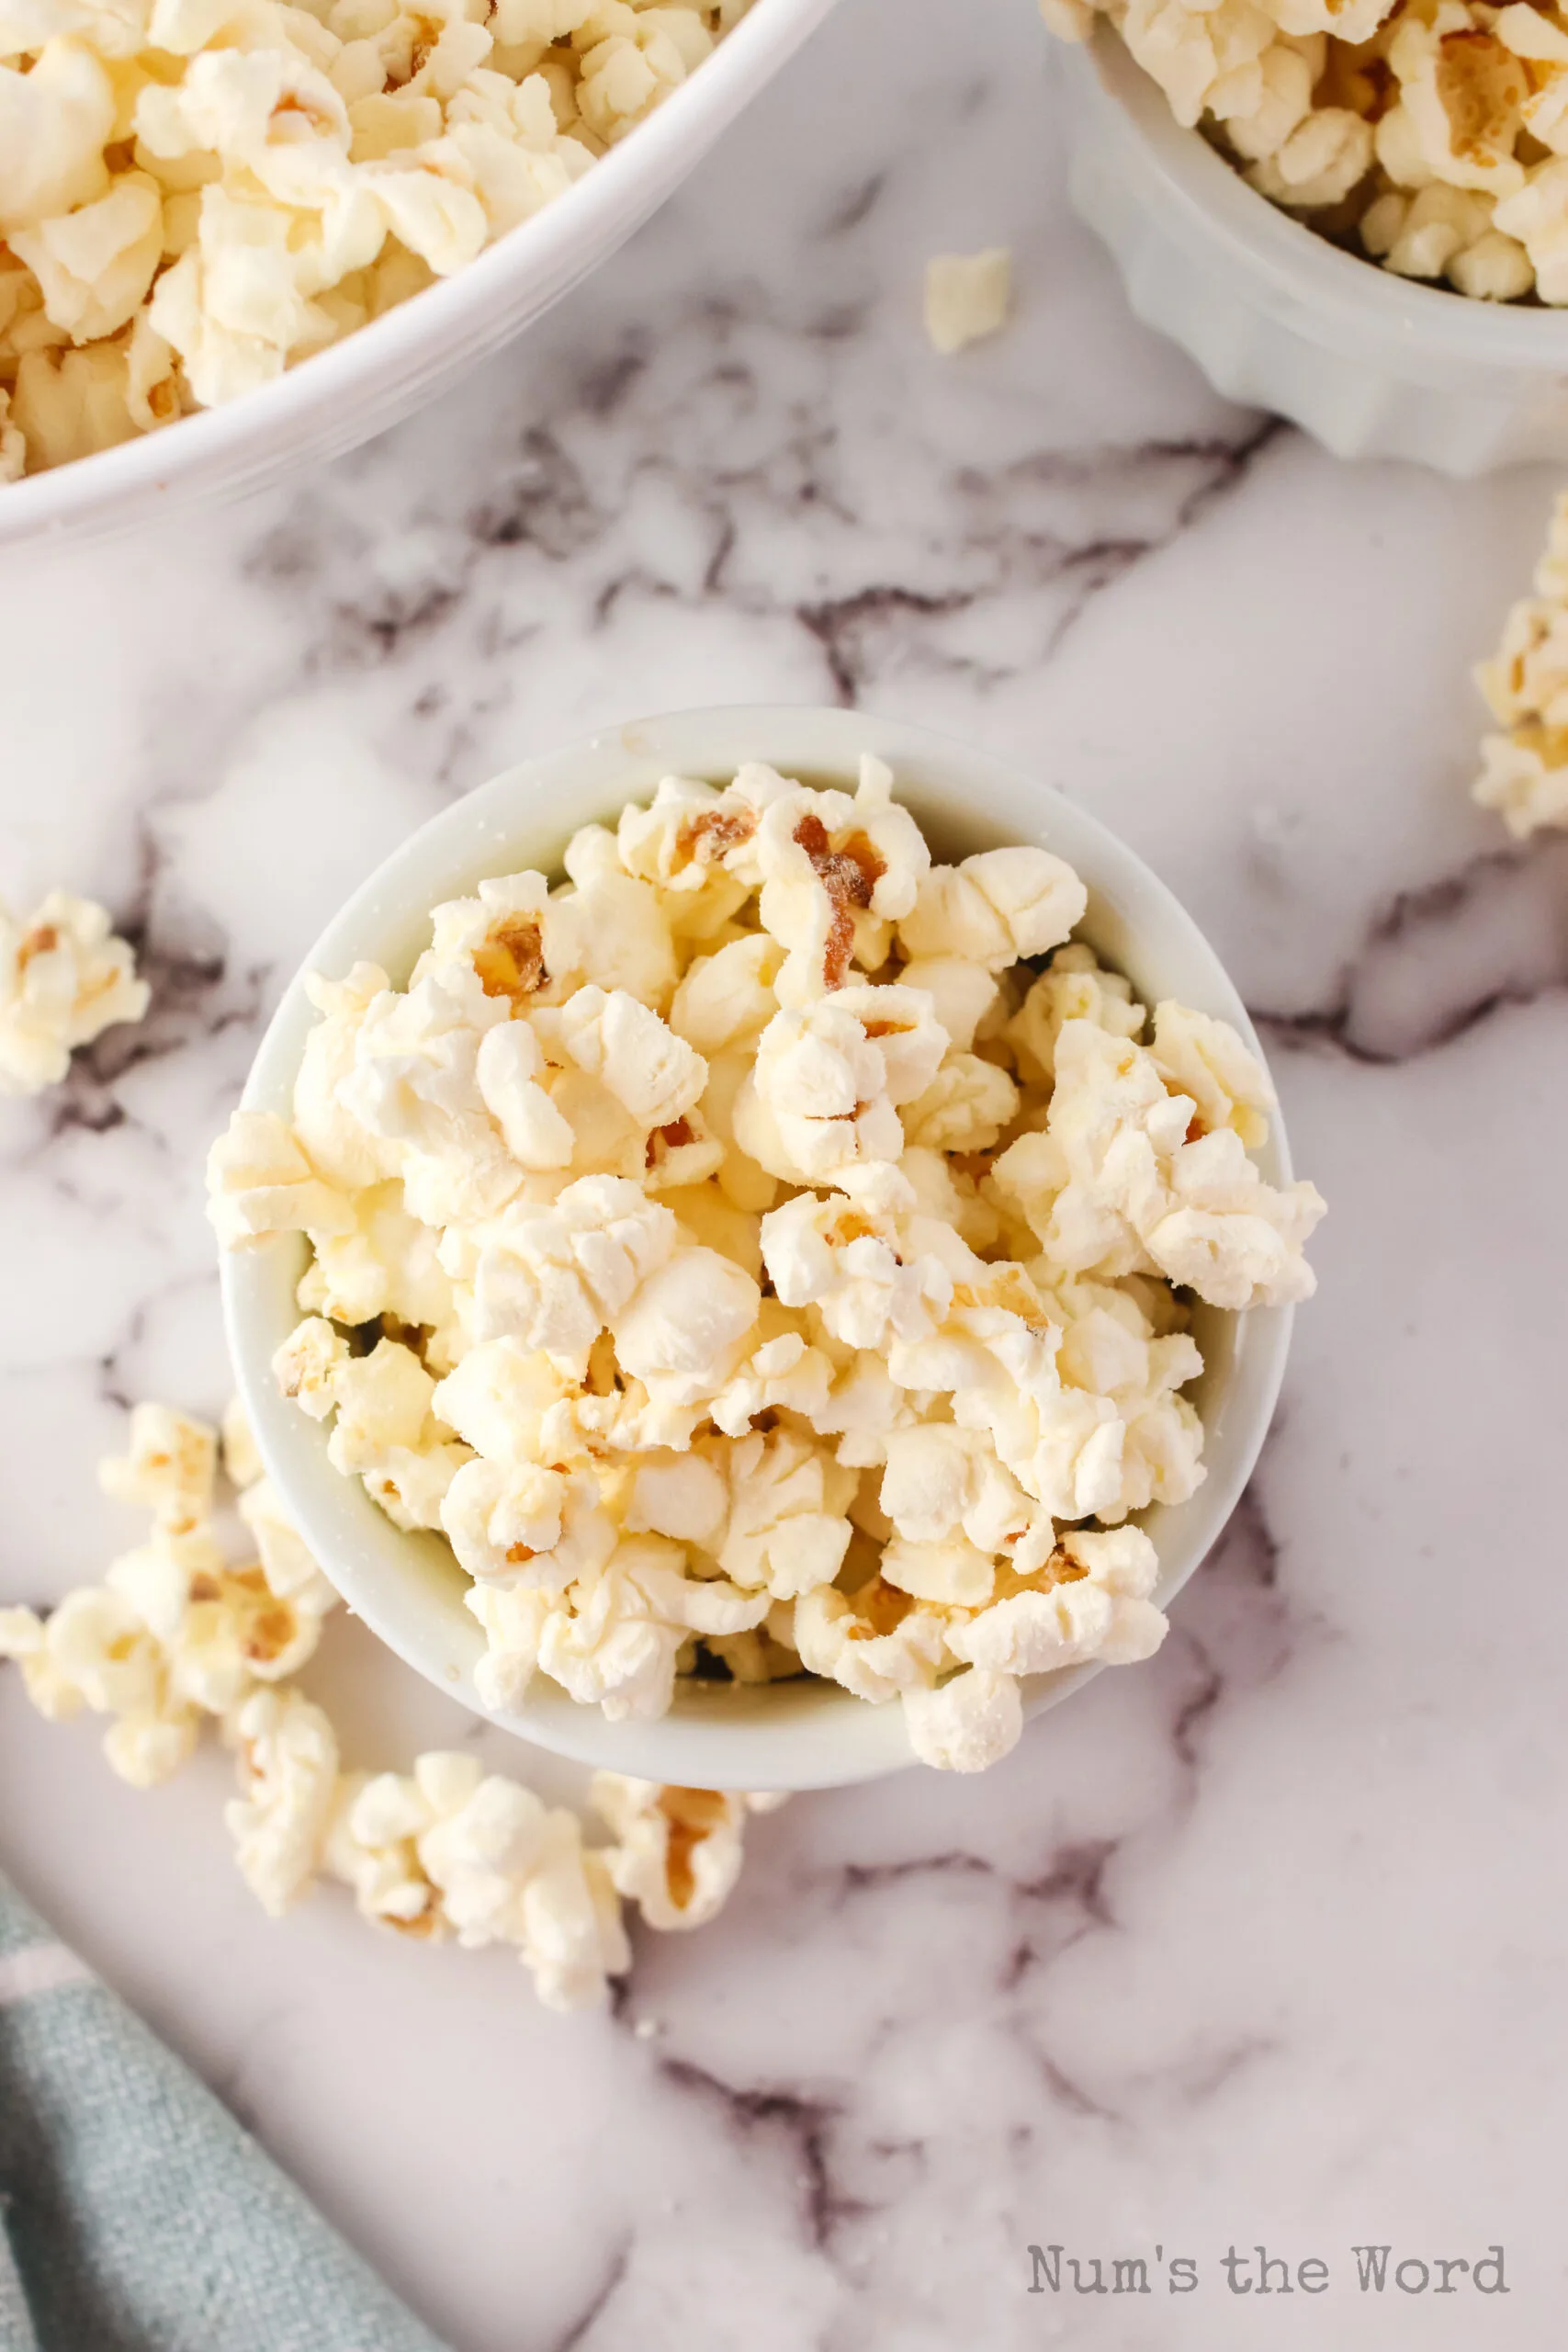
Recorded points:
(968, 296)
(197, 199)
(64, 979)
(1524, 773)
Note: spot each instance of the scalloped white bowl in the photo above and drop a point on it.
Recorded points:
(357, 388)
(1371, 364)
(409, 1589)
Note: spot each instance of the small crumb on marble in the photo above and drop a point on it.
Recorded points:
(968, 296)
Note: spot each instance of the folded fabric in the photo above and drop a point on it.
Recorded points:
(135, 2214)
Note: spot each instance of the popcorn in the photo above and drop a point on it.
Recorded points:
(968, 296)
(678, 1852)
(1124, 1181)
(288, 1757)
(200, 198)
(1525, 768)
(1090, 1601)
(64, 978)
(259, 1182)
(654, 1074)
(169, 1468)
(1202, 1058)
(672, 1422)
(828, 1080)
(448, 1851)
(996, 907)
(445, 1852)
(1436, 133)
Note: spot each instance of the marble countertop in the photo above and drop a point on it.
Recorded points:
(1254, 1944)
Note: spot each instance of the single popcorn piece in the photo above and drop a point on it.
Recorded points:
(968, 296)
(259, 1182)
(242, 1458)
(64, 979)
(199, 200)
(763, 1254)
(996, 907)
(967, 1723)
(1435, 135)
(287, 1759)
(169, 1468)
(678, 1852)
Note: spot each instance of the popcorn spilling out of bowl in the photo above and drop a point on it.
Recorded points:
(64, 979)
(1523, 767)
(193, 198)
(176, 1636)
(770, 1252)
(1430, 136)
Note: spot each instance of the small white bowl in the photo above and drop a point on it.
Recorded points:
(357, 388)
(1373, 365)
(408, 1588)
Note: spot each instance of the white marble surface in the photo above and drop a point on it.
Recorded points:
(1263, 1941)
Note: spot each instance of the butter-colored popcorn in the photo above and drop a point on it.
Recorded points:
(1525, 768)
(1124, 1180)
(678, 1852)
(260, 1183)
(169, 1468)
(964, 1108)
(877, 1642)
(968, 296)
(766, 1357)
(1201, 1057)
(966, 1723)
(1089, 1600)
(447, 1850)
(1073, 988)
(996, 907)
(835, 872)
(1432, 131)
(829, 1078)
(553, 1277)
(64, 978)
(243, 1464)
(287, 1768)
(201, 198)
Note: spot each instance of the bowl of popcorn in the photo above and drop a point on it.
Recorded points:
(1354, 214)
(760, 1247)
(197, 199)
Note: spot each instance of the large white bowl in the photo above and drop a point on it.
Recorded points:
(408, 1588)
(359, 386)
(1370, 364)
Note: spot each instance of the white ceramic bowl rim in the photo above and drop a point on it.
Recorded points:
(796, 1735)
(331, 379)
(1208, 196)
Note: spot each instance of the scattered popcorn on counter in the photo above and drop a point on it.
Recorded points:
(64, 978)
(174, 1637)
(769, 1251)
(193, 200)
(968, 296)
(1428, 135)
(1524, 772)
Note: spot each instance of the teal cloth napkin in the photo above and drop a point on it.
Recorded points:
(135, 2214)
